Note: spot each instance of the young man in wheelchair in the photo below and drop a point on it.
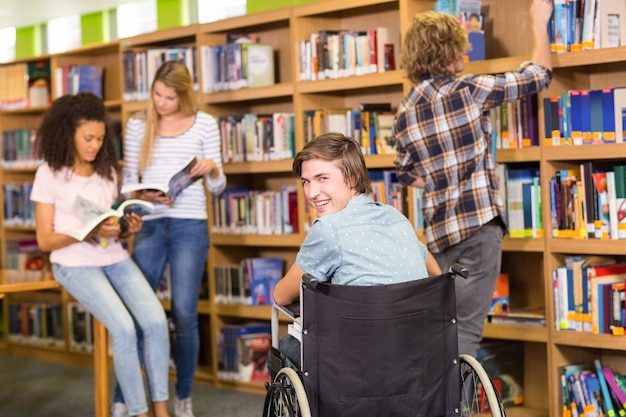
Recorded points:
(354, 240)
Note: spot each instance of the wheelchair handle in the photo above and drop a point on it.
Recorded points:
(459, 269)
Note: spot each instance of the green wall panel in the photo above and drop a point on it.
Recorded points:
(94, 28)
(253, 6)
(28, 41)
(172, 13)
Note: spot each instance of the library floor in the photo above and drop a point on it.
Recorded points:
(33, 388)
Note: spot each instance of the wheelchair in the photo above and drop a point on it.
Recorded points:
(378, 351)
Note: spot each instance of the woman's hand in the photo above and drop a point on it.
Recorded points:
(153, 196)
(205, 167)
(133, 223)
(110, 228)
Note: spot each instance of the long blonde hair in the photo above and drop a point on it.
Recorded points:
(174, 75)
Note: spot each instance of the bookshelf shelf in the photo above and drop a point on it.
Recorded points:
(248, 94)
(506, 156)
(589, 58)
(287, 241)
(586, 246)
(523, 245)
(587, 340)
(279, 166)
(495, 65)
(534, 258)
(581, 153)
(516, 332)
(378, 80)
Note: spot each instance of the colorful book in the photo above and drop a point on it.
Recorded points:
(176, 183)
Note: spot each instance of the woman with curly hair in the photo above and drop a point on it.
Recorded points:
(79, 157)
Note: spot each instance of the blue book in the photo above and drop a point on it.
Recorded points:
(608, 116)
(576, 118)
(596, 116)
(606, 396)
(585, 116)
(88, 78)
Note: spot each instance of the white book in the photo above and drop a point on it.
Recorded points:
(612, 202)
(92, 215)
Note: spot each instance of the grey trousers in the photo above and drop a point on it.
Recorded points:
(482, 255)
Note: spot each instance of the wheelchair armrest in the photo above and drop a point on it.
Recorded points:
(309, 280)
(292, 310)
(459, 269)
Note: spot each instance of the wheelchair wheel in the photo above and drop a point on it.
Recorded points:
(286, 396)
(479, 396)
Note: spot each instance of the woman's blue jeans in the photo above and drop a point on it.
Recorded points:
(119, 296)
(184, 243)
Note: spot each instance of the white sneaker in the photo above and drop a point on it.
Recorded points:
(183, 408)
(119, 410)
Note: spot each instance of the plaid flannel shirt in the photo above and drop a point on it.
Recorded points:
(443, 130)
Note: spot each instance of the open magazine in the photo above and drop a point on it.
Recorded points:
(177, 182)
(91, 215)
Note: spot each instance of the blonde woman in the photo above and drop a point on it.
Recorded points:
(157, 143)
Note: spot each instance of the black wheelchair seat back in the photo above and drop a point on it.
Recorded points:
(381, 350)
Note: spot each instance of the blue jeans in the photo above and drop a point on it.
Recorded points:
(119, 297)
(482, 255)
(184, 243)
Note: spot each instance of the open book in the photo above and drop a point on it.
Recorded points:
(177, 182)
(91, 215)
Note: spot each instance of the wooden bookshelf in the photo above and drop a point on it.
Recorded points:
(528, 261)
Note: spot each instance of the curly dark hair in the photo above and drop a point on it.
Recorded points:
(55, 136)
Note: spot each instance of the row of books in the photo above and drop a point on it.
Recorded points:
(521, 192)
(242, 351)
(501, 312)
(240, 64)
(140, 65)
(18, 149)
(592, 390)
(36, 323)
(589, 202)
(74, 79)
(370, 125)
(589, 295)
(388, 189)
(251, 282)
(257, 137)
(243, 211)
(515, 124)
(585, 117)
(25, 261)
(24, 85)
(80, 327)
(579, 25)
(472, 20)
(344, 53)
(504, 363)
(19, 210)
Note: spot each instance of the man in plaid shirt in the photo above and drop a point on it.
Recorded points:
(444, 146)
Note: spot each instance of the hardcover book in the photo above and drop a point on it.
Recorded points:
(259, 60)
